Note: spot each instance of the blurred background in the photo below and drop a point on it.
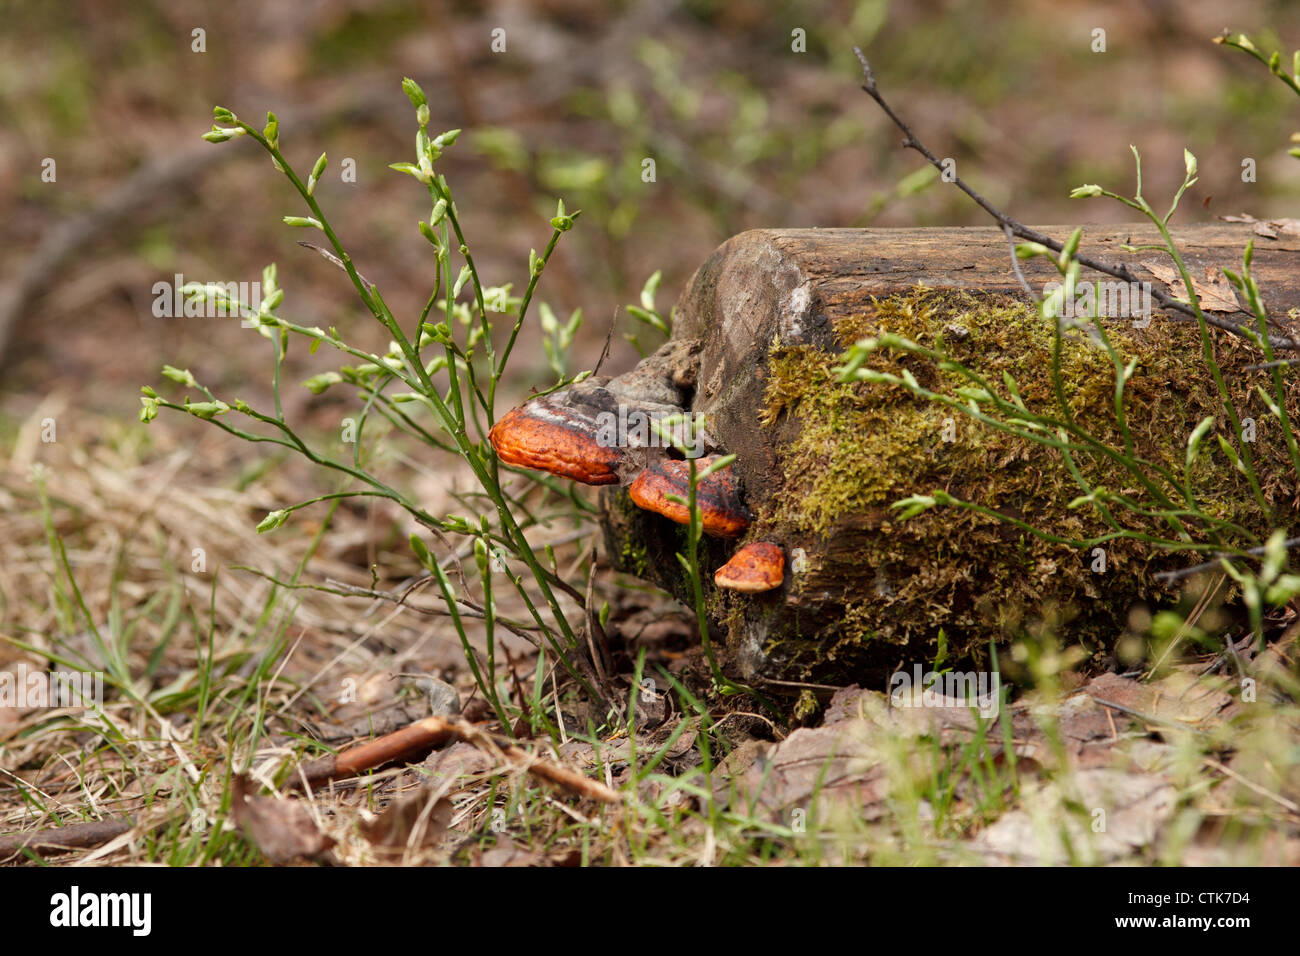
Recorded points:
(751, 112)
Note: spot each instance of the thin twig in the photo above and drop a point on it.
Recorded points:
(1168, 577)
(423, 735)
(1147, 718)
(1189, 622)
(609, 341)
(1262, 791)
(1279, 363)
(597, 642)
(910, 141)
(1015, 262)
(547, 770)
(330, 257)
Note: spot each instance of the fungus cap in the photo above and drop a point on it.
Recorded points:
(553, 437)
(721, 513)
(758, 566)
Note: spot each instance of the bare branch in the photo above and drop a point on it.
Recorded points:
(1118, 271)
(1169, 577)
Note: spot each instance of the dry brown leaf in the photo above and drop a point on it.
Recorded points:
(1269, 228)
(458, 763)
(511, 855)
(1215, 293)
(410, 821)
(1118, 769)
(618, 752)
(1179, 697)
(838, 764)
(284, 830)
(1099, 815)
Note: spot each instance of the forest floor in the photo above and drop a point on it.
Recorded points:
(133, 551)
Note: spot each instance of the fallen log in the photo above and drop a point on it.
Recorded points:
(758, 337)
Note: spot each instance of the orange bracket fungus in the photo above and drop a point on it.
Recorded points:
(556, 437)
(664, 488)
(756, 567)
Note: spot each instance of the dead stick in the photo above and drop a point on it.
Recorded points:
(563, 777)
(1146, 718)
(424, 735)
(78, 836)
(416, 738)
(1262, 791)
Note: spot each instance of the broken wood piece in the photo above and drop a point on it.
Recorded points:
(419, 738)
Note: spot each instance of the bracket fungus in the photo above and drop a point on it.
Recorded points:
(665, 486)
(757, 567)
(568, 434)
(621, 431)
(599, 432)
(548, 436)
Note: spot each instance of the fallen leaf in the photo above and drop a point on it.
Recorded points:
(459, 761)
(1098, 815)
(510, 855)
(1178, 697)
(1269, 228)
(1215, 293)
(618, 752)
(284, 830)
(444, 700)
(837, 765)
(410, 821)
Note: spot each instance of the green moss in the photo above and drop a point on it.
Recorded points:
(806, 707)
(860, 446)
(633, 557)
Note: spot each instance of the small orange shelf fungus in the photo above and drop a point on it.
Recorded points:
(757, 567)
(721, 513)
(544, 438)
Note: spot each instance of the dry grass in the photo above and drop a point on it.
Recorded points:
(214, 673)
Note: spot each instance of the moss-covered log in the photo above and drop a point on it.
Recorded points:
(821, 461)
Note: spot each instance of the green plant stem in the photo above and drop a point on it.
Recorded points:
(519, 321)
